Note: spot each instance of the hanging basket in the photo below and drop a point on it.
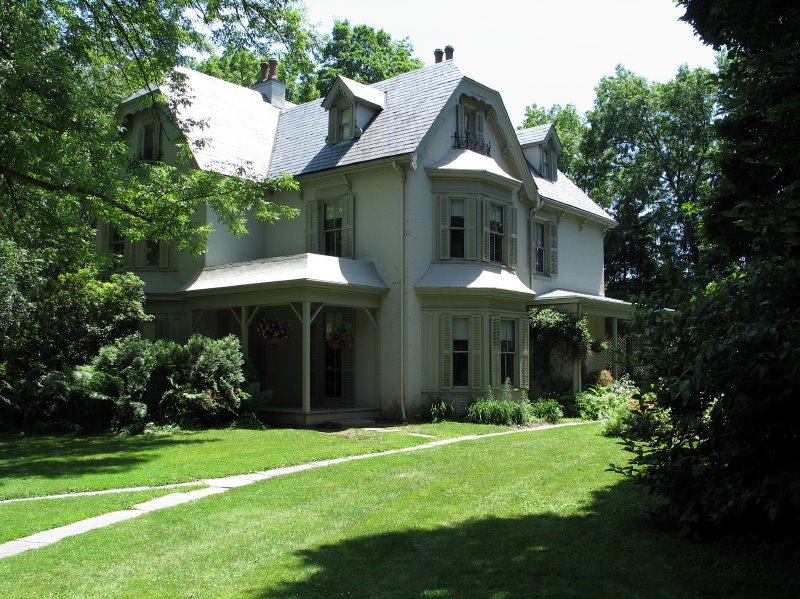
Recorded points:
(274, 332)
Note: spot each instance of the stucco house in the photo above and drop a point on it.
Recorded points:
(429, 226)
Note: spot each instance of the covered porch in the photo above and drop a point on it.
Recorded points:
(607, 318)
(309, 329)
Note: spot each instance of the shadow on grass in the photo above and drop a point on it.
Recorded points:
(612, 549)
(64, 457)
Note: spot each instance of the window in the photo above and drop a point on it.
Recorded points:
(544, 248)
(152, 253)
(332, 228)
(460, 352)
(470, 119)
(457, 228)
(548, 161)
(345, 116)
(116, 243)
(496, 232)
(539, 248)
(329, 223)
(460, 364)
(149, 143)
(508, 350)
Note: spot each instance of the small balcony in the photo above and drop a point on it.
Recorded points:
(471, 142)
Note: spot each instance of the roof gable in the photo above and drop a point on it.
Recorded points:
(355, 91)
(533, 136)
(230, 129)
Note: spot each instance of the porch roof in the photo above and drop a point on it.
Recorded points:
(298, 270)
(591, 304)
(475, 278)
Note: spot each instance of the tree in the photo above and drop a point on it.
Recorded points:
(362, 53)
(570, 126)
(724, 367)
(648, 156)
(66, 66)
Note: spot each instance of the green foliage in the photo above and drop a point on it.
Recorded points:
(599, 401)
(757, 207)
(725, 372)
(570, 126)
(67, 65)
(438, 410)
(504, 411)
(560, 330)
(362, 53)
(548, 410)
(649, 157)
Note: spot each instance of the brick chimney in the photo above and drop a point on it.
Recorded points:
(448, 52)
(437, 54)
(271, 88)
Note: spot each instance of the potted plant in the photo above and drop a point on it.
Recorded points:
(341, 337)
(273, 331)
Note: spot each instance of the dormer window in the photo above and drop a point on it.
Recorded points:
(351, 107)
(470, 119)
(549, 161)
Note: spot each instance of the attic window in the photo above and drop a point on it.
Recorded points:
(340, 124)
(469, 133)
(549, 161)
(149, 143)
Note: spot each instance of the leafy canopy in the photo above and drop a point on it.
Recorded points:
(64, 67)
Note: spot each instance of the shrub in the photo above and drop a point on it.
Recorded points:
(600, 402)
(499, 411)
(437, 410)
(548, 410)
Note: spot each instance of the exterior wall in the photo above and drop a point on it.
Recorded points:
(580, 258)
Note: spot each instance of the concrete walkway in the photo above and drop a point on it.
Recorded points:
(213, 486)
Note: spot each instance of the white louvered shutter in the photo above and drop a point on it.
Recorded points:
(471, 228)
(524, 353)
(312, 227)
(475, 345)
(348, 218)
(446, 361)
(495, 352)
(553, 250)
(444, 227)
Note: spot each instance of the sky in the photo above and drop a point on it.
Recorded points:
(535, 51)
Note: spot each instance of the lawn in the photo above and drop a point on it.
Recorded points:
(524, 515)
(34, 466)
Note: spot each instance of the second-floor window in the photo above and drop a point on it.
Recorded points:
(544, 248)
(329, 224)
(152, 253)
(496, 233)
(149, 143)
(332, 228)
(116, 243)
(457, 228)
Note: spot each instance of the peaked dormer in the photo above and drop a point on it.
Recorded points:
(351, 107)
(541, 147)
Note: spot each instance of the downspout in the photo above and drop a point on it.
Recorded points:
(402, 174)
(531, 255)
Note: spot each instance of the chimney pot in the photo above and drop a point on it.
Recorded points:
(273, 68)
(448, 52)
(438, 53)
(264, 71)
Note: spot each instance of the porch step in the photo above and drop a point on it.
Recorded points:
(346, 423)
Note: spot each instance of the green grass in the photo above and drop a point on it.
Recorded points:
(525, 515)
(23, 518)
(47, 465)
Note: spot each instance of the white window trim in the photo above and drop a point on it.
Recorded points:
(550, 246)
(315, 215)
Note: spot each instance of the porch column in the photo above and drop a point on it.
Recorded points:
(306, 357)
(614, 356)
(245, 333)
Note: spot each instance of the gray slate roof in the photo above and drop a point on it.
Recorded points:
(413, 101)
(563, 192)
(533, 135)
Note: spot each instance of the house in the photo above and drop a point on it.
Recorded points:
(428, 228)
